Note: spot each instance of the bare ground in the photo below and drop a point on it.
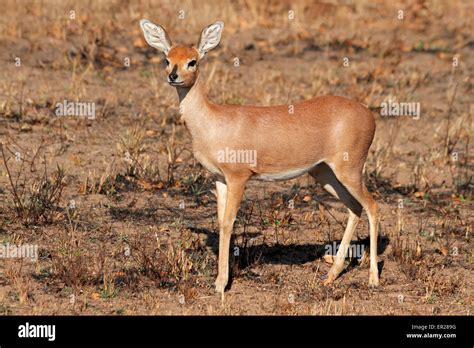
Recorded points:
(124, 216)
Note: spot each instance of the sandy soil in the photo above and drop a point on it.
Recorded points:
(131, 227)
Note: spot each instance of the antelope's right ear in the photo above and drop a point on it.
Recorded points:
(156, 36)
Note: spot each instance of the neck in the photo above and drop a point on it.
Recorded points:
(183, 92)
(195, 91)
(194, 107)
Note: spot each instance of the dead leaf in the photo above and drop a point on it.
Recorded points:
(328, 258)
(82, 188)
(444, 251)
(25, 128)
(155, 59)
(139, 42)
(76, 160)
(122, 49)
(418, 250)
(149, 186)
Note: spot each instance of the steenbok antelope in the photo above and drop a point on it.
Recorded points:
(327, 137)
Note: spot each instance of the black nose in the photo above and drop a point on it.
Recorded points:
(173, 77)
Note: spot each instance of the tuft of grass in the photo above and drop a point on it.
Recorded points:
(174, 263)
(72, 261)
(106, 184)
(407, 257)
(131, 146)
(35, 201)
(144, 167)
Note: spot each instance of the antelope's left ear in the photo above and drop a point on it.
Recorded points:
(210, 38)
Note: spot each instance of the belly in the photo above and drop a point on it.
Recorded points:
(286, 175)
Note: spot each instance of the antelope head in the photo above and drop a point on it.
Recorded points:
(182, 62)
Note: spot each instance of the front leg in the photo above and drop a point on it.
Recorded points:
(221, 195)
(235, 190)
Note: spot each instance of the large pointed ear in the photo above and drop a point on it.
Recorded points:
(210, 37)
(156, 36)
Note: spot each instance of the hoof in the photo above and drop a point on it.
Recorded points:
(220, 286)
(329, 280)
(332, 274)
(373, 281)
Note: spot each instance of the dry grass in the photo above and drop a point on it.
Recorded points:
(141, 235)
(35, 197)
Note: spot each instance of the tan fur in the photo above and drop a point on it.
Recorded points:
(180, 56)
(327, 137)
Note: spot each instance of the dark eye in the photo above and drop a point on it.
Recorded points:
(192, 63)
(167, 62)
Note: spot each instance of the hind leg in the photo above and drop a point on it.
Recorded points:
(371, 208)
(353, 182)
(324, 175)
(347, 185)
(338, 264)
